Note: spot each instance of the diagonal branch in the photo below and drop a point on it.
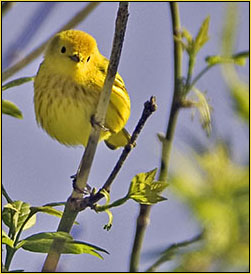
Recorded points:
(104, 99)
(80, 16)
(149, 107)
(6, 6)
(70, 213)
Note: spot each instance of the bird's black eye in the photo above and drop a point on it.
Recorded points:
(63, 49)
(88, 59)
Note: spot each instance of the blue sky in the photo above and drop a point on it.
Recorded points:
(36, 169)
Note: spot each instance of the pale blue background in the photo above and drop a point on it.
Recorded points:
(36, 169)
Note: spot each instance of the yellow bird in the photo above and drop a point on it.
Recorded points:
(67, 89)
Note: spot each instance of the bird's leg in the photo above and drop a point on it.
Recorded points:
(87, 189)
(96, 123)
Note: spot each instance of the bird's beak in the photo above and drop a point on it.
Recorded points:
(75, 58)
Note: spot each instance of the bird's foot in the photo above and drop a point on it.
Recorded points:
(96, 123)
(87, 189)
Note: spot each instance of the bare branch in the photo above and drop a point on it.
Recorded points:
(70, 212)
(149, 107)
(167, 141)
(80, 16)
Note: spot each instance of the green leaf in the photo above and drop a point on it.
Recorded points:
(189, 40)
(11, 109)
(145, 190)
(11, 206)
(41, 243)
(192, 46)
(55, 204)
(50, 236)
(119, 202)
(48, 210)
(237, 59)
(204, 110)
(17, 82)
(6, 239)
(202, 36)
(15, 214)
(187, 35)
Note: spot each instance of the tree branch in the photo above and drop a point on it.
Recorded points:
(70, 213)
(80, 16)
(144, 213)
(6, 6)
(5, 194)
(104, 99)
(149, 107)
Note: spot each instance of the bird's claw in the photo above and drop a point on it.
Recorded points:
(87, 189)
(96, 123)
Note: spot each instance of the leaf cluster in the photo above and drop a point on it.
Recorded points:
(192, 46)
(217, 191)
(143, 190)
(19, 216)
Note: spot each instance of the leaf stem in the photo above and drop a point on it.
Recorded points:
(190, 72)
(5, 194)
(9, 255)
(200, 74)
(11, 250)
(121, 201)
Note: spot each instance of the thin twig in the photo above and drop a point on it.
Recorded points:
(80, 16)
(104, 99)
(144, 213)
(6, 6)
(70, 212)
(177, 93)
(200, 74)
(149, 107)
(5, 194)
(24, 37)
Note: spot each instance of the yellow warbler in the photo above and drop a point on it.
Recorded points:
(67, 88)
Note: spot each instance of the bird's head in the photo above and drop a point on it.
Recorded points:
(71, 50)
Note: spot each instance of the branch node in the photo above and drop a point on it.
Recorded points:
(151, 105)
(129, 147)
